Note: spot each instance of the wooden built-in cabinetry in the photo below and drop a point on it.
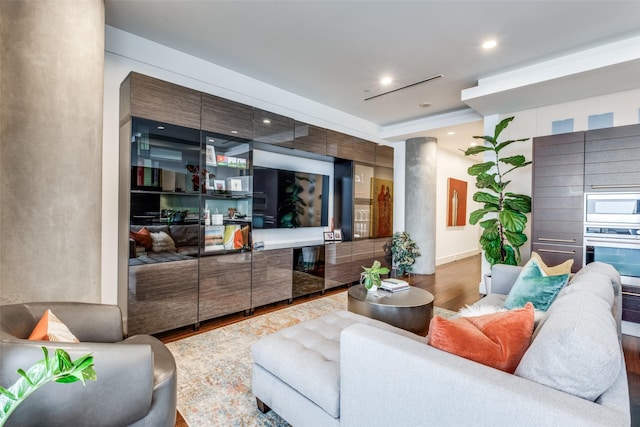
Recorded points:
(226, 117)
(170, 135)
(271, 272)
(557, 221)
(611, 159)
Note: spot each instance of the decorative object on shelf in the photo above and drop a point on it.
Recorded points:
(337, 235)
(403, 251)
(231, 212)
(456, 202)
(219, 184)
(370, 277)
(329, 236)
(211, 155)
(503, 231)
(382, 195)
(195, 177)
(59, 368)
(173, 215)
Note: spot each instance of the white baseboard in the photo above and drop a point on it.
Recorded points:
(456, 257)
(631, 328)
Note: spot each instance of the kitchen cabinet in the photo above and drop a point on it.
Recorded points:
(611, 159)
(557, 198)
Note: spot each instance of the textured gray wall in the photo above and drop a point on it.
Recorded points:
(420, 200)
(51, 86)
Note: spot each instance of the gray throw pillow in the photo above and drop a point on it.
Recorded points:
(576, 348)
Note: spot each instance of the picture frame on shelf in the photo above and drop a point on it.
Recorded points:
(209, 181)
(328, 236)
(218, 184)
(337, 235)
(235, 184)
(211, 155)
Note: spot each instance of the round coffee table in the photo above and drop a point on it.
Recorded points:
(411, 309)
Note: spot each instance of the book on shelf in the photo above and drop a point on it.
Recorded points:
(394, 285)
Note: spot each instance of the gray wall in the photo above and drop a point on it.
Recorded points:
(51, 89)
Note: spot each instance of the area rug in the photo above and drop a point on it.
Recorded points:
(214, 368)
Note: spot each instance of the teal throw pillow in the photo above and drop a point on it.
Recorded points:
(532, 285)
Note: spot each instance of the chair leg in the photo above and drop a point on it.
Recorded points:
(262, 406)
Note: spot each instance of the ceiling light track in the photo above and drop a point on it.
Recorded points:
(437, 76)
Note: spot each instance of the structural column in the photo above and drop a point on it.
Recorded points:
(51, 90)
(420, 200)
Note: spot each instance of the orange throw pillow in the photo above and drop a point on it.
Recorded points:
(498, 339)
(50, 328)
(142, 237)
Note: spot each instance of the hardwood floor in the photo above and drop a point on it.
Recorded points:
(454, 285)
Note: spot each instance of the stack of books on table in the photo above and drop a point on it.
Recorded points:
(394, 285)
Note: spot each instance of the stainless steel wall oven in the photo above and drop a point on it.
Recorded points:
(612, 233)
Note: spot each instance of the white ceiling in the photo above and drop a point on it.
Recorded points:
(334, 52)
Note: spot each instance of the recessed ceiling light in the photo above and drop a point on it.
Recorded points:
(425, 104)
(266, 121)
(386, 80)
(489, 44)
(473, 144)
(234, 131)
(161, 127)
(451, 133)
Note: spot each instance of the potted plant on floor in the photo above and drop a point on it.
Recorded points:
(505, 212)
(370, 277)
(404, 251)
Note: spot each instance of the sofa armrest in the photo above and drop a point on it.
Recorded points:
(88, 322)
(121, 395)
(503, 277)
(410, 381)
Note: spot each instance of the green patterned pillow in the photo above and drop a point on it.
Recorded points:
(533, 285)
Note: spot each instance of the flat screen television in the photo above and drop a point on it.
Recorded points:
(289, 199)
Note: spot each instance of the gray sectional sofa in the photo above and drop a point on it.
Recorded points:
(344, 369)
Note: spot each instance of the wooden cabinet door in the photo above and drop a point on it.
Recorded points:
(611, 159)
(384, 156)
(271, 128)
(225, 285)
(271, 273)
(162, 296)
(150, 98)
(361, 256)
(227, 117)
(350, 148)
(337, 264)
(558, 200)
(310, 138)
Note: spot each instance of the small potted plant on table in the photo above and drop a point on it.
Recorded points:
(370, 277)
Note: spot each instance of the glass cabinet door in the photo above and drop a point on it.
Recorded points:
(227, 188)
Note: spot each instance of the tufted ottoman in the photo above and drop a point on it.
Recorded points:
(296, 371)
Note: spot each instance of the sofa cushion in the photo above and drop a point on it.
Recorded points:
(575, 348)
(50, 328)
(306, 356)
(564, 268)
(185, 235)
(142, 237)
(162, 242)
(532, 285)
(498, 339)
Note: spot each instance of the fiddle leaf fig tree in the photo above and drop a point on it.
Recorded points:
(503, 214)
